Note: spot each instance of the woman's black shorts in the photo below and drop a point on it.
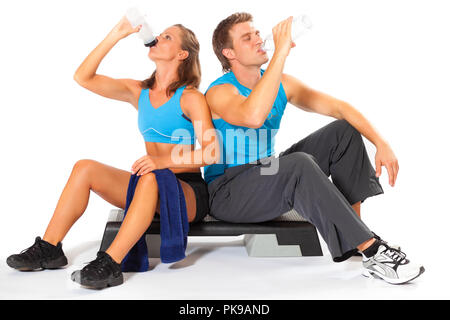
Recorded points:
(200, 187)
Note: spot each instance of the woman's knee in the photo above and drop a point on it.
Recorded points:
(84, 168)
(148, 180)
(148, 185)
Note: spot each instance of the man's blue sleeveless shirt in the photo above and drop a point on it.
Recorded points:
(240, 145)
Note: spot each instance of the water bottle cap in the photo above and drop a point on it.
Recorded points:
(152, 43)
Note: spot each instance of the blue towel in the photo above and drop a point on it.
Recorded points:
(174, 225)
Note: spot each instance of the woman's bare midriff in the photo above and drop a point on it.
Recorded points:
(158, 149)
(162, 149)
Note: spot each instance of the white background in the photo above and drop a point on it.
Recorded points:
(389, 59)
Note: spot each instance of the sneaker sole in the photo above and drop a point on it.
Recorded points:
(99, 284)
(375, 275)
(54, 264)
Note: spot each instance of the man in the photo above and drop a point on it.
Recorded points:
(247, 104)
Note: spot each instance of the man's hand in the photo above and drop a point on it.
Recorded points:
(282, 37)
(147, 164)
(386, 157)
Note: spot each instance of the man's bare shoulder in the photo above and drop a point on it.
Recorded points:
(221, 94)
(222, 89)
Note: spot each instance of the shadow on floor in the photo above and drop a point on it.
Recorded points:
(201, 250)
(198, 251)
(74, 252)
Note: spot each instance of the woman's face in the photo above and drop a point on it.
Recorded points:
(168, 47)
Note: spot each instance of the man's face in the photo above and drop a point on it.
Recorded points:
(247, 45)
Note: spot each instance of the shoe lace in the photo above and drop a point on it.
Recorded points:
(36, 251)
(99, 265)
(396, 255)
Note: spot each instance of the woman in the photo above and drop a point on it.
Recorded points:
(166, 102)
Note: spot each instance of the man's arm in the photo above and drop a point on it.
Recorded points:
(251, 112)
(311, 100)
(225, 100)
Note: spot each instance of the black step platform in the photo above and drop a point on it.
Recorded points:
(288, 235)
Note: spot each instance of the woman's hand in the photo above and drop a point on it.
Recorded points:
(123, 29)
(147, 164)
(386, 157)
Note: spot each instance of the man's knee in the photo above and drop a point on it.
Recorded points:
(342, 126)
(296, 162)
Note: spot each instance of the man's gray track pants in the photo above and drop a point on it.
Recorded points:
(251, 193)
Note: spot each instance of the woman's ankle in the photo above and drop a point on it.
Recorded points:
(52, 241)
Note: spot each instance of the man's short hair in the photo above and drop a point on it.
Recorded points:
(222, 39)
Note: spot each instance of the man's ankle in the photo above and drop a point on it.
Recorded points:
(363, 246)
(372, 249)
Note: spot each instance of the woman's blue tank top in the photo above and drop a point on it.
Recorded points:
(166, 124)
(242, 145)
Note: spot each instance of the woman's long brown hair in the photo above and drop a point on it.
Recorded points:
(189, 72)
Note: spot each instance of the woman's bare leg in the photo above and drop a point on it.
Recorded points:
(108, 182)
(141, 213)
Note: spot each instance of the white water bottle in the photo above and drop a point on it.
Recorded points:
(136, 18)
(300, 25)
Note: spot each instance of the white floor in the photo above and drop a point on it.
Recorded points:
(219, 268)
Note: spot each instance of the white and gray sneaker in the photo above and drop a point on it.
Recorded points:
(390, 265)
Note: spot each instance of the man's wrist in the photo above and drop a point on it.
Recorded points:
(279, 57)
(381, 143)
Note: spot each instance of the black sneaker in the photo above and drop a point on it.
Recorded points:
(41, 255)
(100, 273)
